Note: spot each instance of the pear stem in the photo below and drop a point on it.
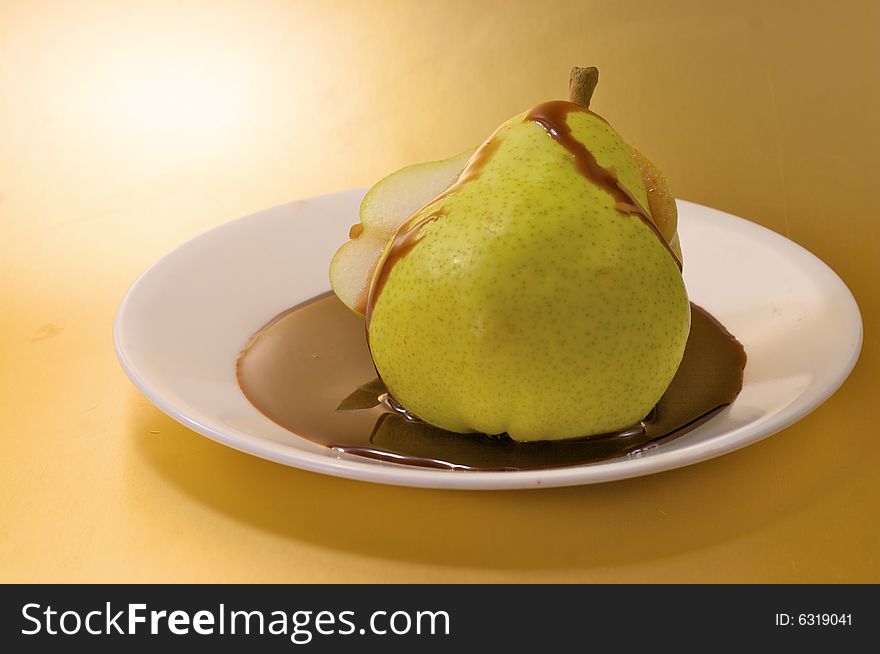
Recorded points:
(581, 84)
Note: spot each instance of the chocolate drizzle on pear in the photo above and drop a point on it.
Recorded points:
(553, 117)
(409, 233)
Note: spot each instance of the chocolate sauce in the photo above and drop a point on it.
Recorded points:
(405, 239)
(408, 235)
(298, 368)
(553, 117)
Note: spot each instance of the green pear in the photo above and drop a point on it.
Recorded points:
(385, 206)
(535, 296)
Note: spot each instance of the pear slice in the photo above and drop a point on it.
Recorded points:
(661, 201)
(387, 204)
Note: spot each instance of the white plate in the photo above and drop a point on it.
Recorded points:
(182, 323)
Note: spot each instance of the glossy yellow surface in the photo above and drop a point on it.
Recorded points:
(127, 128)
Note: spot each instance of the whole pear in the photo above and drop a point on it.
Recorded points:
(529, 298)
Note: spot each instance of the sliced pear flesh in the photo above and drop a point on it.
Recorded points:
(661, 201)
(387, 204)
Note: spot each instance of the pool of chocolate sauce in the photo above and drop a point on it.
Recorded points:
(298, 368)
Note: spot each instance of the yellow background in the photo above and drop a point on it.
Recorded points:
(127, 128)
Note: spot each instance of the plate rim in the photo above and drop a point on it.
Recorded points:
(362, 469)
